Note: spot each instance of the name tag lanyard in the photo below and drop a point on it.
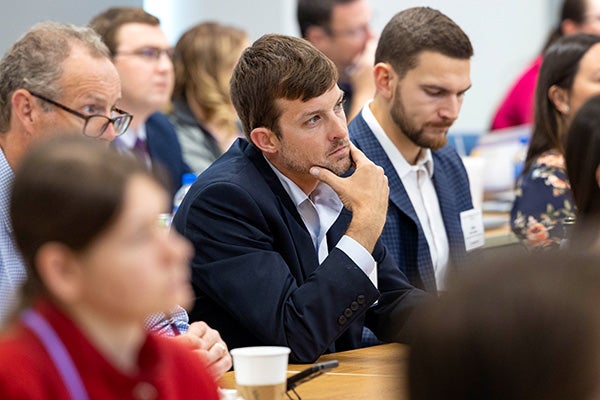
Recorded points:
(58, 353)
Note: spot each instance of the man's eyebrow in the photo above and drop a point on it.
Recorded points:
(442, 88)
(318, 111)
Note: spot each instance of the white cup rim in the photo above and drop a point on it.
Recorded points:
(260, 351)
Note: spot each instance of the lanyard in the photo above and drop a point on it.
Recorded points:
(58, 353)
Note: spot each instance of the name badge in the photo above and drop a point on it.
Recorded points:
(471, 222)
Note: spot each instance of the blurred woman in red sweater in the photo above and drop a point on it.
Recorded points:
(86, 221)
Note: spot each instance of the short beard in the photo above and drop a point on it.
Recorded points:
(339, 168)
(416, 136)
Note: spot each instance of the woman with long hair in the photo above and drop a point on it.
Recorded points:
(203, 114)
(568, 77)
(582, 156)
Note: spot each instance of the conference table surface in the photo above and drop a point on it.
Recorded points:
(377, 372)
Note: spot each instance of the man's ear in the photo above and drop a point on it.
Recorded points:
(23, 108)
(560, 98)
(569, 27)
(384, 76)
(265, 139)
(59, 271)
(316, 35)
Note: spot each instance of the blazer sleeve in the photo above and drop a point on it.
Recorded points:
(392, 318)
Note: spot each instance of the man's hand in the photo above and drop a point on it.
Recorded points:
(365, 193)
(360, 75)
(207, 342)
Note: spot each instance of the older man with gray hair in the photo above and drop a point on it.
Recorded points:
(56, 79)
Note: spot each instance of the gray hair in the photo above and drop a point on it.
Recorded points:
(35, 61)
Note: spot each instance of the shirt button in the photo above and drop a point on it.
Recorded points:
(145, 391)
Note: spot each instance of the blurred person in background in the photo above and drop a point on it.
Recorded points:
(582, 158)
(577, 16)
(543, 198)
(86, 220)
(142, 55)
(203, 115)
(341, 30)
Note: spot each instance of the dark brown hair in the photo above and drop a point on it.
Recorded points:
(522, 328)
(68, 190)
(108, 23)
(574, 10)
(582, 157)
(277, 67)
(559, 67)
(415, 30)
(316, 13)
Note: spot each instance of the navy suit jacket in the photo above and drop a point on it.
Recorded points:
(164, 149)
(402, 233)
(256, 275)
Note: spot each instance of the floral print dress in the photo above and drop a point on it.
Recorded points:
(543, 200)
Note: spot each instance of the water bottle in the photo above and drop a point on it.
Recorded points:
(520, 156)
(186, 183)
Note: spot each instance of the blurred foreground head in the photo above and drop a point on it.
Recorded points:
(519, 328)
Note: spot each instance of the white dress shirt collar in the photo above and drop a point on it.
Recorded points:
(400, 164)
(128, 139)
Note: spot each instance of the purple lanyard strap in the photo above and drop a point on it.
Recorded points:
(58, 353)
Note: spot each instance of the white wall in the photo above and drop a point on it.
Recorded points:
(20, 15)
(506, 35)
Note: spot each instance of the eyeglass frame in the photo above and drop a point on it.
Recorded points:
(86, 118)
(144, 53)
(353, 33)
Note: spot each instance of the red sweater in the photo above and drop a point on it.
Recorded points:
(166, 369)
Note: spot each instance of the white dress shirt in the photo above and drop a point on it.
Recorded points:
(127, 141)
(418, 183)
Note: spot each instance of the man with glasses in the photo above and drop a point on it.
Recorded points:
(340, 29)
(57, 79)
(142, 55)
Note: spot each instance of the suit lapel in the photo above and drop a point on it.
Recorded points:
(305, 250)
(448, 207)
(369, 144)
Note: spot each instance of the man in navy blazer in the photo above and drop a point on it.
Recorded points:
(422, 71)
(286, 249)
(164, 149)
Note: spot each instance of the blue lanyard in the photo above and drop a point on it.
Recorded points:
(58, 353)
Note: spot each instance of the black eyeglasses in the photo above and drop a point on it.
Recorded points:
(148, 53)
(95, 125)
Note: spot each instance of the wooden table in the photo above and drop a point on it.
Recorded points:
(377, 372)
